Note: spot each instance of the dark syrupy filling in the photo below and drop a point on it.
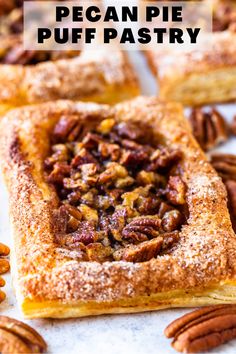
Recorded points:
(121, 193)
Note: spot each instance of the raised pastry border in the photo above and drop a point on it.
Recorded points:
(51, 284)
(197, 76)
(98, 76)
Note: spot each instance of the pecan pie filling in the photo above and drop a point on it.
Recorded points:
(120, 190)
(11, 47)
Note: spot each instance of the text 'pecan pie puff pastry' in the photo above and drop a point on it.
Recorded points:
(113, 209)
(203, 74)
(28, 77)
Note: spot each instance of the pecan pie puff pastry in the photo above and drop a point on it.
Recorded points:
(113, 209)
(195, 77)
(28, 77)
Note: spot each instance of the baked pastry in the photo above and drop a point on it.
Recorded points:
(28, 77)
(197, 77)
(113, 209)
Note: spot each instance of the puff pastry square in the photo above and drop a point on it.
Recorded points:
(28, 77)
(52, 280)
(196, 77)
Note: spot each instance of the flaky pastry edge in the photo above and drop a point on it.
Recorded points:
(96, 76)
(50, 283)
(198, 75)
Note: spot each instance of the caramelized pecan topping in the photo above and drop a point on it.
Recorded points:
(121, 196)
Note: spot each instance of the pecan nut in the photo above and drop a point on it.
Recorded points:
(209, 128)
(139, 253)
(176, 190)
(233, 126)
(142, 228)
(18, 337)
(231, 190)
(203, 329)
(225, 165)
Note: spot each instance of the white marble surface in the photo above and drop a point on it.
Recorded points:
(131, 334)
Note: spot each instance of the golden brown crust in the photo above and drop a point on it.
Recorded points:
(50, 283)
(196, 77)
(92, 76)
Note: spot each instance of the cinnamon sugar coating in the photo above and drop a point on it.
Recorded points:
(53, 282)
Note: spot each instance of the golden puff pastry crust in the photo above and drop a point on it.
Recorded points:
(50, 282)
(92, 76)
(196, 77)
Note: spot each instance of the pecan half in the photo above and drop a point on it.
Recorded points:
(203, 329)
(209, 128)
(68, 128)
(233, 126)
(225, 165)
(18, 337)
(176, 190)
(142, 228)
(139, 253)
(4, 267)
(85, 234)
(172, 220)
(231, 190)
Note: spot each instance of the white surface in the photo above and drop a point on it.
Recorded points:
(131, 334)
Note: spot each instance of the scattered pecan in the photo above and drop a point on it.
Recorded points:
(233, 126)
(4, 267)
(141, 252)
(203, 329)
(4, 263)
(18, 337)
(209, 128)
(225, 165)
(231, 190)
